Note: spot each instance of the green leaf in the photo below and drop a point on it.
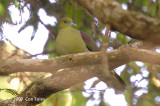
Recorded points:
(153, 10)
(128, 95)
(123, 39)
(123, 1)
(145, 2)
(11, 91)
(4, 2)
(1, 10)
(138, 2)
(16, 4)
(50, 45)
(78, 99)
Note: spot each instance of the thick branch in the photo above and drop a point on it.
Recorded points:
(75, 70)
(57, 82)
(130, 23)
(116, 58)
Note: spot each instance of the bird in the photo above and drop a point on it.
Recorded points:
(71, 41)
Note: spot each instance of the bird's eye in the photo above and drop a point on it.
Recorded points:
(65, 21)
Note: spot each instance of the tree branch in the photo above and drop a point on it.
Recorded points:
(75, 69)
(43, 88)
(116, 58)
(130, 23)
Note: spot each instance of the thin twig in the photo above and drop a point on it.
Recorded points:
(52, 35)
(157, 8)
(104, 46)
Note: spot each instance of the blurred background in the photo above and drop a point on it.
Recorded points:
(28, 31)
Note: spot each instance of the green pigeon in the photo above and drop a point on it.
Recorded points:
(71, 41)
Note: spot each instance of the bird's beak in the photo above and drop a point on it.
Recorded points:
(73, 24)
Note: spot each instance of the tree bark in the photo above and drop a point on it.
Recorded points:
(127, 22)
(116, 58)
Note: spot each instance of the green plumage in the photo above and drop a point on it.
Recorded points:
(69, 40)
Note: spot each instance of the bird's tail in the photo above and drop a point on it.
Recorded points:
(114, 81)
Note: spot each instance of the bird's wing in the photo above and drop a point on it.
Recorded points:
(90, 43)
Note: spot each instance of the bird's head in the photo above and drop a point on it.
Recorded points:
(65, 22)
